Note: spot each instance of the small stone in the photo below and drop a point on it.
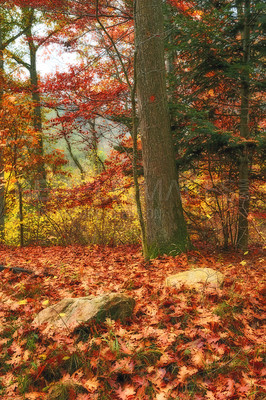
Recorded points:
(196, 278)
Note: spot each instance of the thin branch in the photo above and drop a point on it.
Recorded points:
(113, 43)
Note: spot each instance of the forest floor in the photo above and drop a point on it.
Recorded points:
(179, 343)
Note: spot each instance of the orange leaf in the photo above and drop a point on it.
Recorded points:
(127, 393)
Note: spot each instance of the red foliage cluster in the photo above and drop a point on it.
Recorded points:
(97, 193)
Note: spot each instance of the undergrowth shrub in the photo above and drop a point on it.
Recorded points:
(84, 224)
(210, 205)
(90, 225)
(211, 208)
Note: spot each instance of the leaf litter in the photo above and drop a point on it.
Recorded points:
(179, 344)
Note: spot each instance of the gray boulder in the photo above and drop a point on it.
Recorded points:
(69, 313)
(196, 278)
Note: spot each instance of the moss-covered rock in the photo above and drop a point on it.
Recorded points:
(69, 313)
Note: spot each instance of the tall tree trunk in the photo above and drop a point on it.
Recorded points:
(2, 181)
(166, 227)
(37, 114)
(243, 210)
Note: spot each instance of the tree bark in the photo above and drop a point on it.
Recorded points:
(243, 208)
(37, 114)
(166, 227)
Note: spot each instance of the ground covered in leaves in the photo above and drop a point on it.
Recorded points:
(179, 343)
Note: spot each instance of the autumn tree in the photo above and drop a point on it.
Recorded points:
(166, 228)
(109, 83)
(21, 166)
(28, 19)
(18, 154)
(8, 19)
(165, 221)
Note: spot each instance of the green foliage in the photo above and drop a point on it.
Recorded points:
(32, 341)
(225, 310)
(150, 391)
(59, 392)
(147, 357)
(24, 381)
(65, 391)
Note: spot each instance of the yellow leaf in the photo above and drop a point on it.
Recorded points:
(43, 356)
(243, 263)
(66, 358)
(22, 302)
(246, 252)
(62, 314)
(45, 302)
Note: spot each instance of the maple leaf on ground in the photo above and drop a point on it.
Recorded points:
(128, 393)
(166, 359)
(197, 357)
(91, 384)
(184, 372)
(125, 365)
(140, 380)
